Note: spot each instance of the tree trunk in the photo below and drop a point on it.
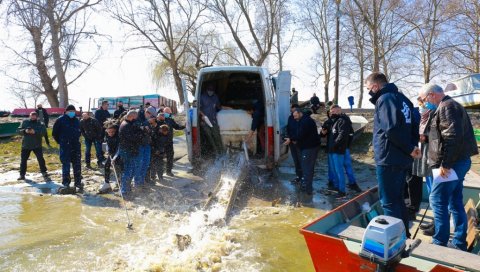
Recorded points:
(178, 84)
(376, 42)
(42, 69)
(57, 59)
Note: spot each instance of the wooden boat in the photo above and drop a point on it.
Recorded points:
(4, 113)
(466, 91)
(8, 129)
(334, 240)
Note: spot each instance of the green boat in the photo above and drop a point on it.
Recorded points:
(334, 240)
(8, 129)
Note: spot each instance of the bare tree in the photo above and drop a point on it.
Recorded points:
(466, 39)
(431, 20)
(387, 30)
(261, 20)
(282, 42)
(204, 48)
(319, 23)
(164, 26)
(356, 31)
(54, 50)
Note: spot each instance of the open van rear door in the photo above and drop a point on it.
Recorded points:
(282, 111)
(188, 118)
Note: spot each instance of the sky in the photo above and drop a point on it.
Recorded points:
(118, 73)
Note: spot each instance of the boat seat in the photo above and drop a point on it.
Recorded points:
(347, 231)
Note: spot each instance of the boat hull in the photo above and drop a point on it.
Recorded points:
(8, 129)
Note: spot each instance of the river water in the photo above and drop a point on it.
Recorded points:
(44, 232)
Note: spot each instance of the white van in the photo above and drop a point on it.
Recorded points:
(238, 87)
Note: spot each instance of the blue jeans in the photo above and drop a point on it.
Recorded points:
(143, 164)
(295, 151)
(71, 154)
(309, 157)
(339, 181)
(88, 149)
(347, 164)
(448, 196)
(130, 164)
(391, 186)
(331, 170)
(428, 182)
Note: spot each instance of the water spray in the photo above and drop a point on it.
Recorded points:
(129, 223)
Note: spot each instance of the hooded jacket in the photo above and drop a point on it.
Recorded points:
(393, 127)
(130, 137)
(307, 136)
(339, 134)
(451, 136)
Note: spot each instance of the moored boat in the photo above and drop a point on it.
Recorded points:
(334, 240)
(466, 91)
(8, 129)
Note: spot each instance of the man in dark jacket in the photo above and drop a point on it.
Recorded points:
(167, 118)
(119, 111)
(393, 143)
(102, 114)
(308, 142)
(66, 132)
(314, 103)
(92, 132)
(44, 118)
(32, 130)
(130, 140)
(160, 142)
(339, 138)
(209, 107)
(291, 132)
(451, 144)
(112, 140)
(258, 124)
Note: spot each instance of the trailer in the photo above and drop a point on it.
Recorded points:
(134, 102)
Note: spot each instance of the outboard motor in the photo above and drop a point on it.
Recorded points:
(384, 243)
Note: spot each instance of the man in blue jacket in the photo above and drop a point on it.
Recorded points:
(66, 132)
(393, 143)
(308, 142)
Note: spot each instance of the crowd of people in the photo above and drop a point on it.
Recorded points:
(409, 144)
(134, 142)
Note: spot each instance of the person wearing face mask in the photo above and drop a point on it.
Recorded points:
(119, 111)
(167, 119)
(209, 107)
(32, 130)
(395, 139)
(451, 143)
(66, 132)
(43, 117)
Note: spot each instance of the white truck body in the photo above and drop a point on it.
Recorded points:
(238, 87)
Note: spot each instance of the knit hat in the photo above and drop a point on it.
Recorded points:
(70, 108)
(152, 111)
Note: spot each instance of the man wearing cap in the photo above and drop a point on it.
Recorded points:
(32, 130)
(44, 118)
(66, 132)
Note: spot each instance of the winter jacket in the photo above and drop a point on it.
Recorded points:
(172, 125)
(91, 129)
(66, 131)
(112, 144)
(339, 134)
(46, 117)
(307, 136)
(130, 137)
(451, 137)
(392, 127)
(292, 127)
(159, 141)
(102, 115)
(117, 113)
(32, 141)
